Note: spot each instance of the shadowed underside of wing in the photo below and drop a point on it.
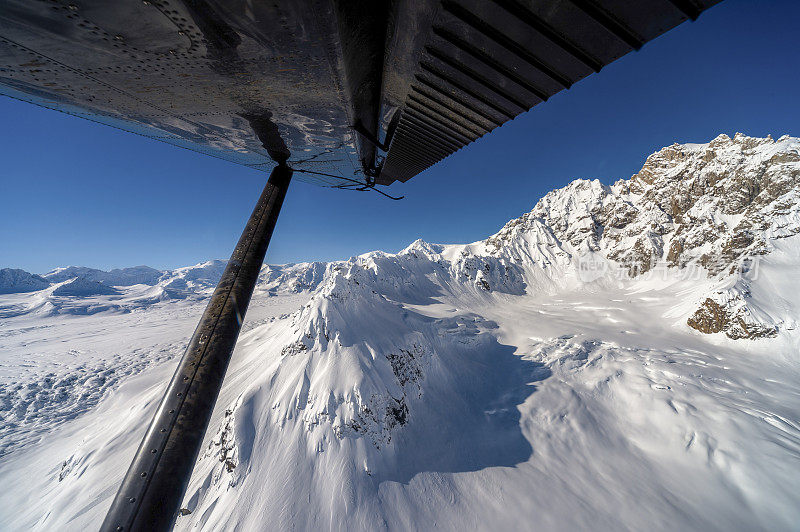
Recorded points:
(480, 63)
(368, 91)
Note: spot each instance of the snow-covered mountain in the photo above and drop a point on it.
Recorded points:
(620, 357)
(14, 281)
(116, 277)
(710, 210)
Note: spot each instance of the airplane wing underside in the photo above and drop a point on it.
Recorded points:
(364, 91)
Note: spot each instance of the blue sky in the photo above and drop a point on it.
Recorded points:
(77, 193)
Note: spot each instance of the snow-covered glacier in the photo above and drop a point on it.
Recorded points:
(621, 357)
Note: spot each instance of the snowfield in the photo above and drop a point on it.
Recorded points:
(619, 358)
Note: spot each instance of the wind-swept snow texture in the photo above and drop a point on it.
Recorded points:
(622, 357)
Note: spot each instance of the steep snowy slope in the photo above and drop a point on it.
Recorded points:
(620, 358)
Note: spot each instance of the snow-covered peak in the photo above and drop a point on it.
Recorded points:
(200, 277)
(422, 247)
(83, 286)
(14, 281)
(714, 203)
(116, 277)
(293, 278)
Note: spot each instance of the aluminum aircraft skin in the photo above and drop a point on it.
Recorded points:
(341, 93)
(371, 91)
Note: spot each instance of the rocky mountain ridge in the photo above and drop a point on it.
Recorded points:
(711, 209)
(713, 203)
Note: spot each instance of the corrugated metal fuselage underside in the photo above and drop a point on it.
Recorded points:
(372, 91)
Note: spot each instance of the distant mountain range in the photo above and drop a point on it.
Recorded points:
(702, 209)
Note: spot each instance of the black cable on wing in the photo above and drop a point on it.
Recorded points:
(353, 184)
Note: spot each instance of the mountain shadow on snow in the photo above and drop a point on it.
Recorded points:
(468, 417)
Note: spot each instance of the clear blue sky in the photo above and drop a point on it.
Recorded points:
(76, 193)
